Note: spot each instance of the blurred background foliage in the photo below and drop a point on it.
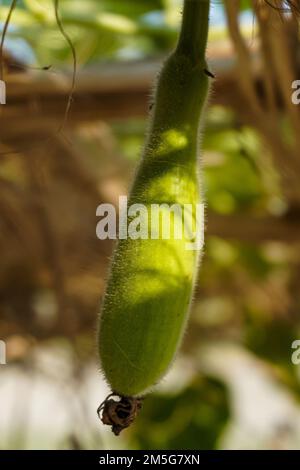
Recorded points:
(233, 384)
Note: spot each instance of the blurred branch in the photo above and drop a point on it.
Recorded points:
(284, 156)
(275, 27)
(246, 77)
(51, 245)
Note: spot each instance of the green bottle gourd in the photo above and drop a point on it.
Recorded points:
(151, 281)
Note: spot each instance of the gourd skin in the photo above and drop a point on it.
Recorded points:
(151, 281)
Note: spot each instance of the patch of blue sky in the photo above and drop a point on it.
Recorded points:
(18, 46)
(217, 16)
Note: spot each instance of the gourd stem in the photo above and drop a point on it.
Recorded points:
(194, 30)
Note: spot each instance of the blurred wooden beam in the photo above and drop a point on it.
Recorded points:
(104, 92)
(254, 229)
